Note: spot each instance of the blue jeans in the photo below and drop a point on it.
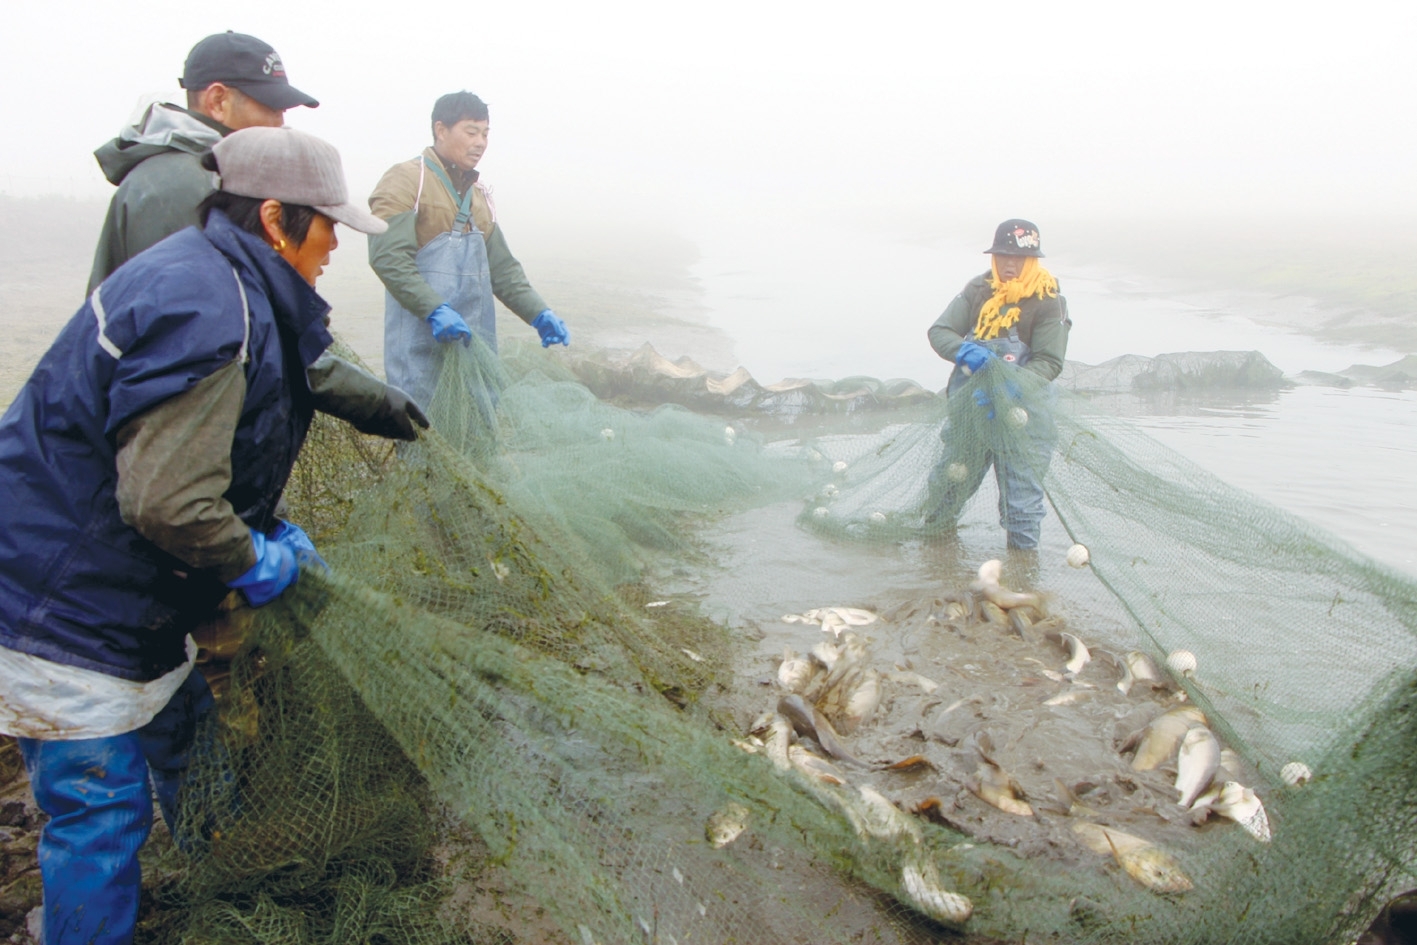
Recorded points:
(1021, 507)
(95, 791)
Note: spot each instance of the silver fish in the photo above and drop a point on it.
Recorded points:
(810, 722)
(911, 678)
(988, 585)
(1241, 805)
(1125, 679)
(1071, 696)
(992, 613)
(814, 766)
(1164, 734)
(1144, 862)
(994, 785)
(1078, 655)
(862, 702)
(1144, 669)
(795, 672)
(1196, 765)
(779, 737)
(827, 653)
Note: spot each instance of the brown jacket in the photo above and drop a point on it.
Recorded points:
(398, 192)
(416, 216)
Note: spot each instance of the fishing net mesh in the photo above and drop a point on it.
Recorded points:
(480, 725)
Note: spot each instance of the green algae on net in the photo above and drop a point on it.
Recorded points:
(477, 727)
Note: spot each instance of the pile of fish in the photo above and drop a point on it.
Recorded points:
(887, 745)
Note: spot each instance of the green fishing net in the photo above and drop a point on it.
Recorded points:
(488, 722)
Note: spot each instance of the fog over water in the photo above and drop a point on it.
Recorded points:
(815, 182)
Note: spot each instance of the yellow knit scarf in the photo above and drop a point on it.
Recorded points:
(1001, 311)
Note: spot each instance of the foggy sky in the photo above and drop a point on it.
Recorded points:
(663, 112)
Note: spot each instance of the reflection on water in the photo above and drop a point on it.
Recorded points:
(1345, 460)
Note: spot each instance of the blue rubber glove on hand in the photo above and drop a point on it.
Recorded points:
(981, 399)
(279, 557)
(294, 538)
(552, 329)
(972, 357)
(448, 325)
(275, 570)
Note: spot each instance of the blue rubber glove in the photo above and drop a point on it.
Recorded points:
(276, 568)
(279, 558)
(448, 325)
(972, 357)
(552, 329)
(294, 538)
(982, 400)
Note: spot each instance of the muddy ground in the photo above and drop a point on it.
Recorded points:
(20, 823)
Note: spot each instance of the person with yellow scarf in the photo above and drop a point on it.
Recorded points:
(1007, 334)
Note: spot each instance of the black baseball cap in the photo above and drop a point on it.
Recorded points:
(1016, 238)
(242, 62)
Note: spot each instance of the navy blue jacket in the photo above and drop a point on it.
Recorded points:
(78, 585)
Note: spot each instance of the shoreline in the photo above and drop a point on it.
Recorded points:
(622, 290)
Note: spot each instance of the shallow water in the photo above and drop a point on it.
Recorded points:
(832, 303)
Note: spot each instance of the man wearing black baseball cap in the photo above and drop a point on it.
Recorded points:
(1007, 334)
(233, 81)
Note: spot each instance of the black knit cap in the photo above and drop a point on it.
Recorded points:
(242, 62)
(1015, 238)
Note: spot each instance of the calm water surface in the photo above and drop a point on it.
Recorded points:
(836, 303)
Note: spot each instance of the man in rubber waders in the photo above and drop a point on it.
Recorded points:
(1007, 334)
(444, 257)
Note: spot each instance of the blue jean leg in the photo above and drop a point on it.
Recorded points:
(1021, 508)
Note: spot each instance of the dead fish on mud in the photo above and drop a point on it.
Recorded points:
(921, 881)
(778, 740)
(795, 672)
(1071, 696)
(827, 653)
(993, 785)
(814, 765)
(1143, 860)
(1047, 673)
(862, 702)
(911, 678)
(990, 612)
(1144, 670)
(1133, 669)
(851, 691)
(1197, 762)
(1236, 802)
(987, 585)
(808, 722)
(1159, 740)
(833, 620)
(724, 826)
(951, 608)
(1078, 654)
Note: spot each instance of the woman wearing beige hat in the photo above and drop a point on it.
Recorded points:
(140, 467)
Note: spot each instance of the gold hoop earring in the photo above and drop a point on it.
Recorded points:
(280, 247)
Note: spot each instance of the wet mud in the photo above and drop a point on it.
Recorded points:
(20, 825)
